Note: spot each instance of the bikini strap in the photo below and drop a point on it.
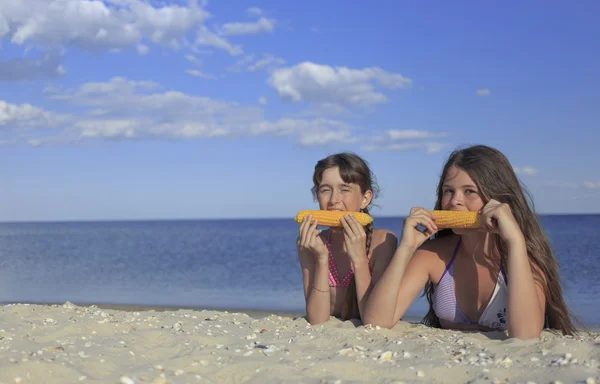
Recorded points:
(451, 260)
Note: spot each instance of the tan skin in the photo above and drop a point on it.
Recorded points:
(476, 266)
(348, 245)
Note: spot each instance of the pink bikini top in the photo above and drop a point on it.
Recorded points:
(334, 277)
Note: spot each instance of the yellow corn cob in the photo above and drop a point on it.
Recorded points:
(456, 219)
(332, 218)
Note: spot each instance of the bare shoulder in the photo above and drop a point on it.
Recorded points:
(440, 248)
(383, 244)
(381, 235)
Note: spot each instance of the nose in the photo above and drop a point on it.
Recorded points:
(334, 198)
(455, 201)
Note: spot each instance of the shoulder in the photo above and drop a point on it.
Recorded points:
(439, 248)
(381, 235)
(383, 243)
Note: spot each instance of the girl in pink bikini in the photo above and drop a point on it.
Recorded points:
(340, 265)
(501, 277)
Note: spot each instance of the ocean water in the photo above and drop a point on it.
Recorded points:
(222, 264)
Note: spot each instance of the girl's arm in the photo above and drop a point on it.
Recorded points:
(314, 258)
(316, 291)
(397, 288)
(526, 298)
(406, 274)
(381, 255)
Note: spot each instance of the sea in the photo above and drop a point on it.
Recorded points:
(245, 264)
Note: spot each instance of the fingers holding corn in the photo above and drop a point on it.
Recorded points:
(309, 239)
(355, 239)
(412, 236)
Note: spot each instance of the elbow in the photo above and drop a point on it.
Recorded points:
(525, 333)
(315, 320)
(375, 322)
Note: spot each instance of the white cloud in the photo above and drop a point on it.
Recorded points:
(247, 63)
(326, 137)
(529, 171)
(142, 49)
(262, 100)
(28, 116)
(314, 132)
(483, 92)
(262, 25)
(208, 38)
(429, 147)
(409, 134)
(268, 61)
(127, 109)
(404, 140)
(592, 184)
(320, 84)
(198, 73)
(22, 69)
(254, 11)
(91, 24)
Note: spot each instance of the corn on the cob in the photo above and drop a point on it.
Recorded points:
(456, 219)
(332, 218)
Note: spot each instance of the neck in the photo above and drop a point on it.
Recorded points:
(336, 236)
(476, 246)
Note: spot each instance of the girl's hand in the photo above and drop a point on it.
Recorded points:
(412, 237)
(498, 218)
(309, 240)
(355, 239)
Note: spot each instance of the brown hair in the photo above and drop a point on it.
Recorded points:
(353, 169)
(495, 179)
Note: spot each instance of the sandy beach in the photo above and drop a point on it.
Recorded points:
(71, 344)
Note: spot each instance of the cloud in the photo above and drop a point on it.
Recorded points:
(314, 132)
(262, 25)
(268, 61)
(200, 74)
(254, 11)
(247, 63)
(322, 84)
(28, 116)
(397, 134)
(483, 92)
(197, 72)
(262, 100)
(529, 171)
(207, 38)
(124, 109)
(23, 69)
(429, 147)
(591, 184)
(93, 25)
(404, 140)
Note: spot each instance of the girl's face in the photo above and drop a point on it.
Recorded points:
(459, 192)
(334, 194)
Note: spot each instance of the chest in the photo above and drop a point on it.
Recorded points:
(474, 286)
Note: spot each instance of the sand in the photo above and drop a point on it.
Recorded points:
(73, 344)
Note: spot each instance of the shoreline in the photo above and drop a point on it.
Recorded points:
(58, 343)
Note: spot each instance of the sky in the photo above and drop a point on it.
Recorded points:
(133, 109)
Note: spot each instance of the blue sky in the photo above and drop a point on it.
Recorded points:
(127, 109)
